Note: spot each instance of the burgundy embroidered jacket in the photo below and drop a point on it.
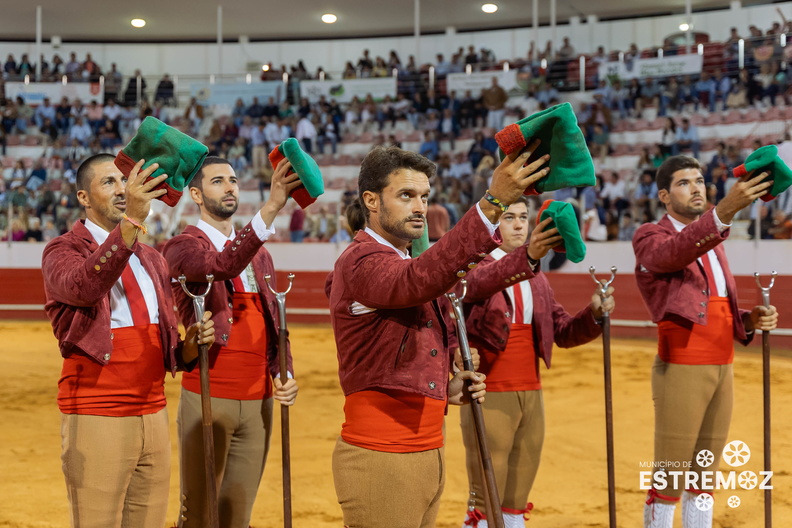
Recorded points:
(488, 308)
(193, 255)
(403, 342)
(78, 276)
(671, 279)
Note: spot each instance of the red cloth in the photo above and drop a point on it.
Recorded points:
(137, 303)
(393, 421)
(130, 384)
(686, 343)
(517, 367)
(713, 288)
(236, 281)
(238, 371)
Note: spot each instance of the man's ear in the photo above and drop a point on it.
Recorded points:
(82, 197)
(371, 201)
(196, 195)
(663, 196)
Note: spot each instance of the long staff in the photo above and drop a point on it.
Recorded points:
(606, 356)
(206, 404)
(768, 494)
(494, 512)
(280, 297)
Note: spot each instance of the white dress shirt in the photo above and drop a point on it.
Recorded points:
(120, 313)
(717, 270)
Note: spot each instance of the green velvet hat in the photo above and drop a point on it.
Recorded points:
(306, 168)
(565, 219)
(570, 161)
(179, 156)
(767, 159)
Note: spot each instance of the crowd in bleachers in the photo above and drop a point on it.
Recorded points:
(454, 130)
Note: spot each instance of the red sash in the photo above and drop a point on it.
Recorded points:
(131, 384)
(238, 371)
(393, 421)
(517, 367)
(686, 343)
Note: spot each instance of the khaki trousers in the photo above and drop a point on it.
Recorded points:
(117, 469)
(241, 440)
(388, 490)
(515, 426)
(693, 408)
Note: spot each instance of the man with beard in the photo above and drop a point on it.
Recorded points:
(111, 307)
(684, 279)
(246, 351)
(394, 339)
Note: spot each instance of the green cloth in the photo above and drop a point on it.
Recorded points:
(419, 245)
(557, 127)
(178, 155)
(766, 159)
(305, 167)
(565, 219)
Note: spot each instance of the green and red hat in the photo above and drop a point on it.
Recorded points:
(570, 161)
(306, 168)
(178, 155)
(766, 159)
(565, 219)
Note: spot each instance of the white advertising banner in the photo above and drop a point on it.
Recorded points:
(227, 94)
(344, 90)
(657, 67)
(34, 93)
(475, 82)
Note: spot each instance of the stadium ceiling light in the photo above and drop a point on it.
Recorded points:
(684, 26)
(489, 8)
(138, 22)
(329, 18)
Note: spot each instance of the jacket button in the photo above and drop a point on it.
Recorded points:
(433, 352)
(107, 357)
(501, 340)
(704, 292)
(461, 273)
(183, 517)
(507, 314)
(109, 254)
(522, 274)
(97, 267)
(698, 244)
(230, 320)
(703, 304)
(102, 259)
(225, 337)
(184, 508)
(243, 235)
(184, 497)
(238, 242)
(482, 255)
(114, 247)
(233, 248)
(247, 229)
(514, 278)
(112, 336)
(507, 281)
(701, 314)
(230, 305)
(472, 265)
(432, 385)
(429, 323)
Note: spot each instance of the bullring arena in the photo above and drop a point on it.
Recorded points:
(571, 489)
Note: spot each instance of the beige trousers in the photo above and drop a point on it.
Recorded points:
(693, 408)
(515, 427)
(241, 440)
(388, 490)
(117, 469)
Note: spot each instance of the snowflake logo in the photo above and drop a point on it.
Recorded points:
(705, 458)
(747, 480)
(704, 502)
(736, 453)
(734, 501)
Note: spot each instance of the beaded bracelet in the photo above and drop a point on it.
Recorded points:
(138, 225)
(494, 201)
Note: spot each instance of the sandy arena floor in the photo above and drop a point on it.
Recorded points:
(570, 492)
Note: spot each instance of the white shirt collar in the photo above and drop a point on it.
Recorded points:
(97, 232)
(679, 226)
(218, 239)
(384, 242)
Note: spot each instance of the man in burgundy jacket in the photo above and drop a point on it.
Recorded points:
(393, 339)
(513, 320)
(246, 353)
(685, 281)
(112, 311)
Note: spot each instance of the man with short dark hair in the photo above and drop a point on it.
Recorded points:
(684, 279)
(394, 340)
(112, 311)
(246, 355)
